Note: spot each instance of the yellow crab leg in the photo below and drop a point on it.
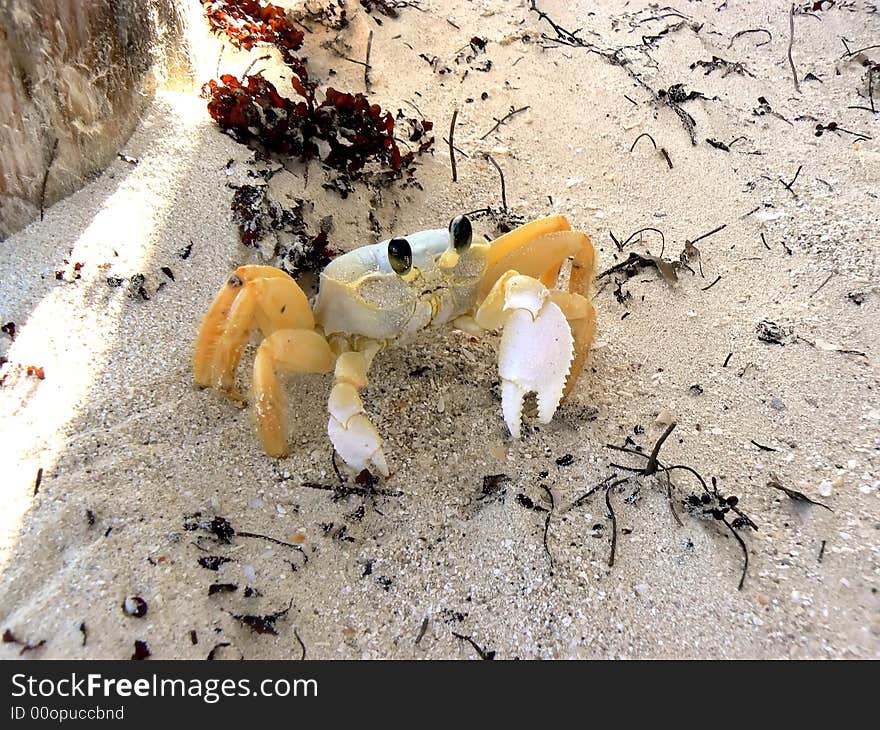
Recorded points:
(523, 235)
(285, 351)
(581, 316)
(542, 258)
(263, 295)
(537, 250)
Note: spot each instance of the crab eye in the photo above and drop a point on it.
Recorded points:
(400, 255)
(462, 233)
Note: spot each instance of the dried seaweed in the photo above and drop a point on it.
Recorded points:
(10, 638)
(215, 588)
(213, 562)
(775, 334)
(297, 248)
(247, 23)
(222, 529)
(141, 650)
(711, 504)
(613, 517)
(263, 624)
(636, 263)
(717, 63)
(492, 485)
(617, 57)
(345, 131)
(388, 8)
(793, 494)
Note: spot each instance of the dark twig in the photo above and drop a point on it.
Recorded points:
(651, 466)
(794, 494)
(710, 233)
(270, 539)
(452, 145)
(367, 66)
(821, 286)
(344, 490)
(477, 648)
(717, 279)
(764, 241)
(761, 446)
(858, 50)
(46, 177)
(336, 467)
(797, 86)
(642, 230)
(422, 631)
(302, 646)
(751, 30)
(742, 544)
(788, 185)
(591, 491)
(822, 551)
(503, 187)
(499, 122)
(547, 524)
(254, 63)
(38, 481)
(670, 501)
(613, 526)
(643, 134)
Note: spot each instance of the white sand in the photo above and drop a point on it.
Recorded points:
(119, 430)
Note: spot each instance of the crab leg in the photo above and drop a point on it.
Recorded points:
(254, 295)
(581, 316)
(284, 351)
(350, 430)
(547, 333)
(538, 249)
(542, 258)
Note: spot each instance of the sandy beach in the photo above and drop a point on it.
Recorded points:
(136, 462)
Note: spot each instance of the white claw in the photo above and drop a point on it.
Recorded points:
(352, 434)
(536, 352)
(512, 396)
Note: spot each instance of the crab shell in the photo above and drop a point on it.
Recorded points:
(360, 293)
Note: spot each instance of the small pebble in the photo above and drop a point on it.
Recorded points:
(825, 488)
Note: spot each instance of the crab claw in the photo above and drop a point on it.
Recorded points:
(352, 434)
(536, 352)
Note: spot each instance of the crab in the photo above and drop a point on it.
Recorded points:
(376, 295)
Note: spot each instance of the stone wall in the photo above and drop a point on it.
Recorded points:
(75, 76)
